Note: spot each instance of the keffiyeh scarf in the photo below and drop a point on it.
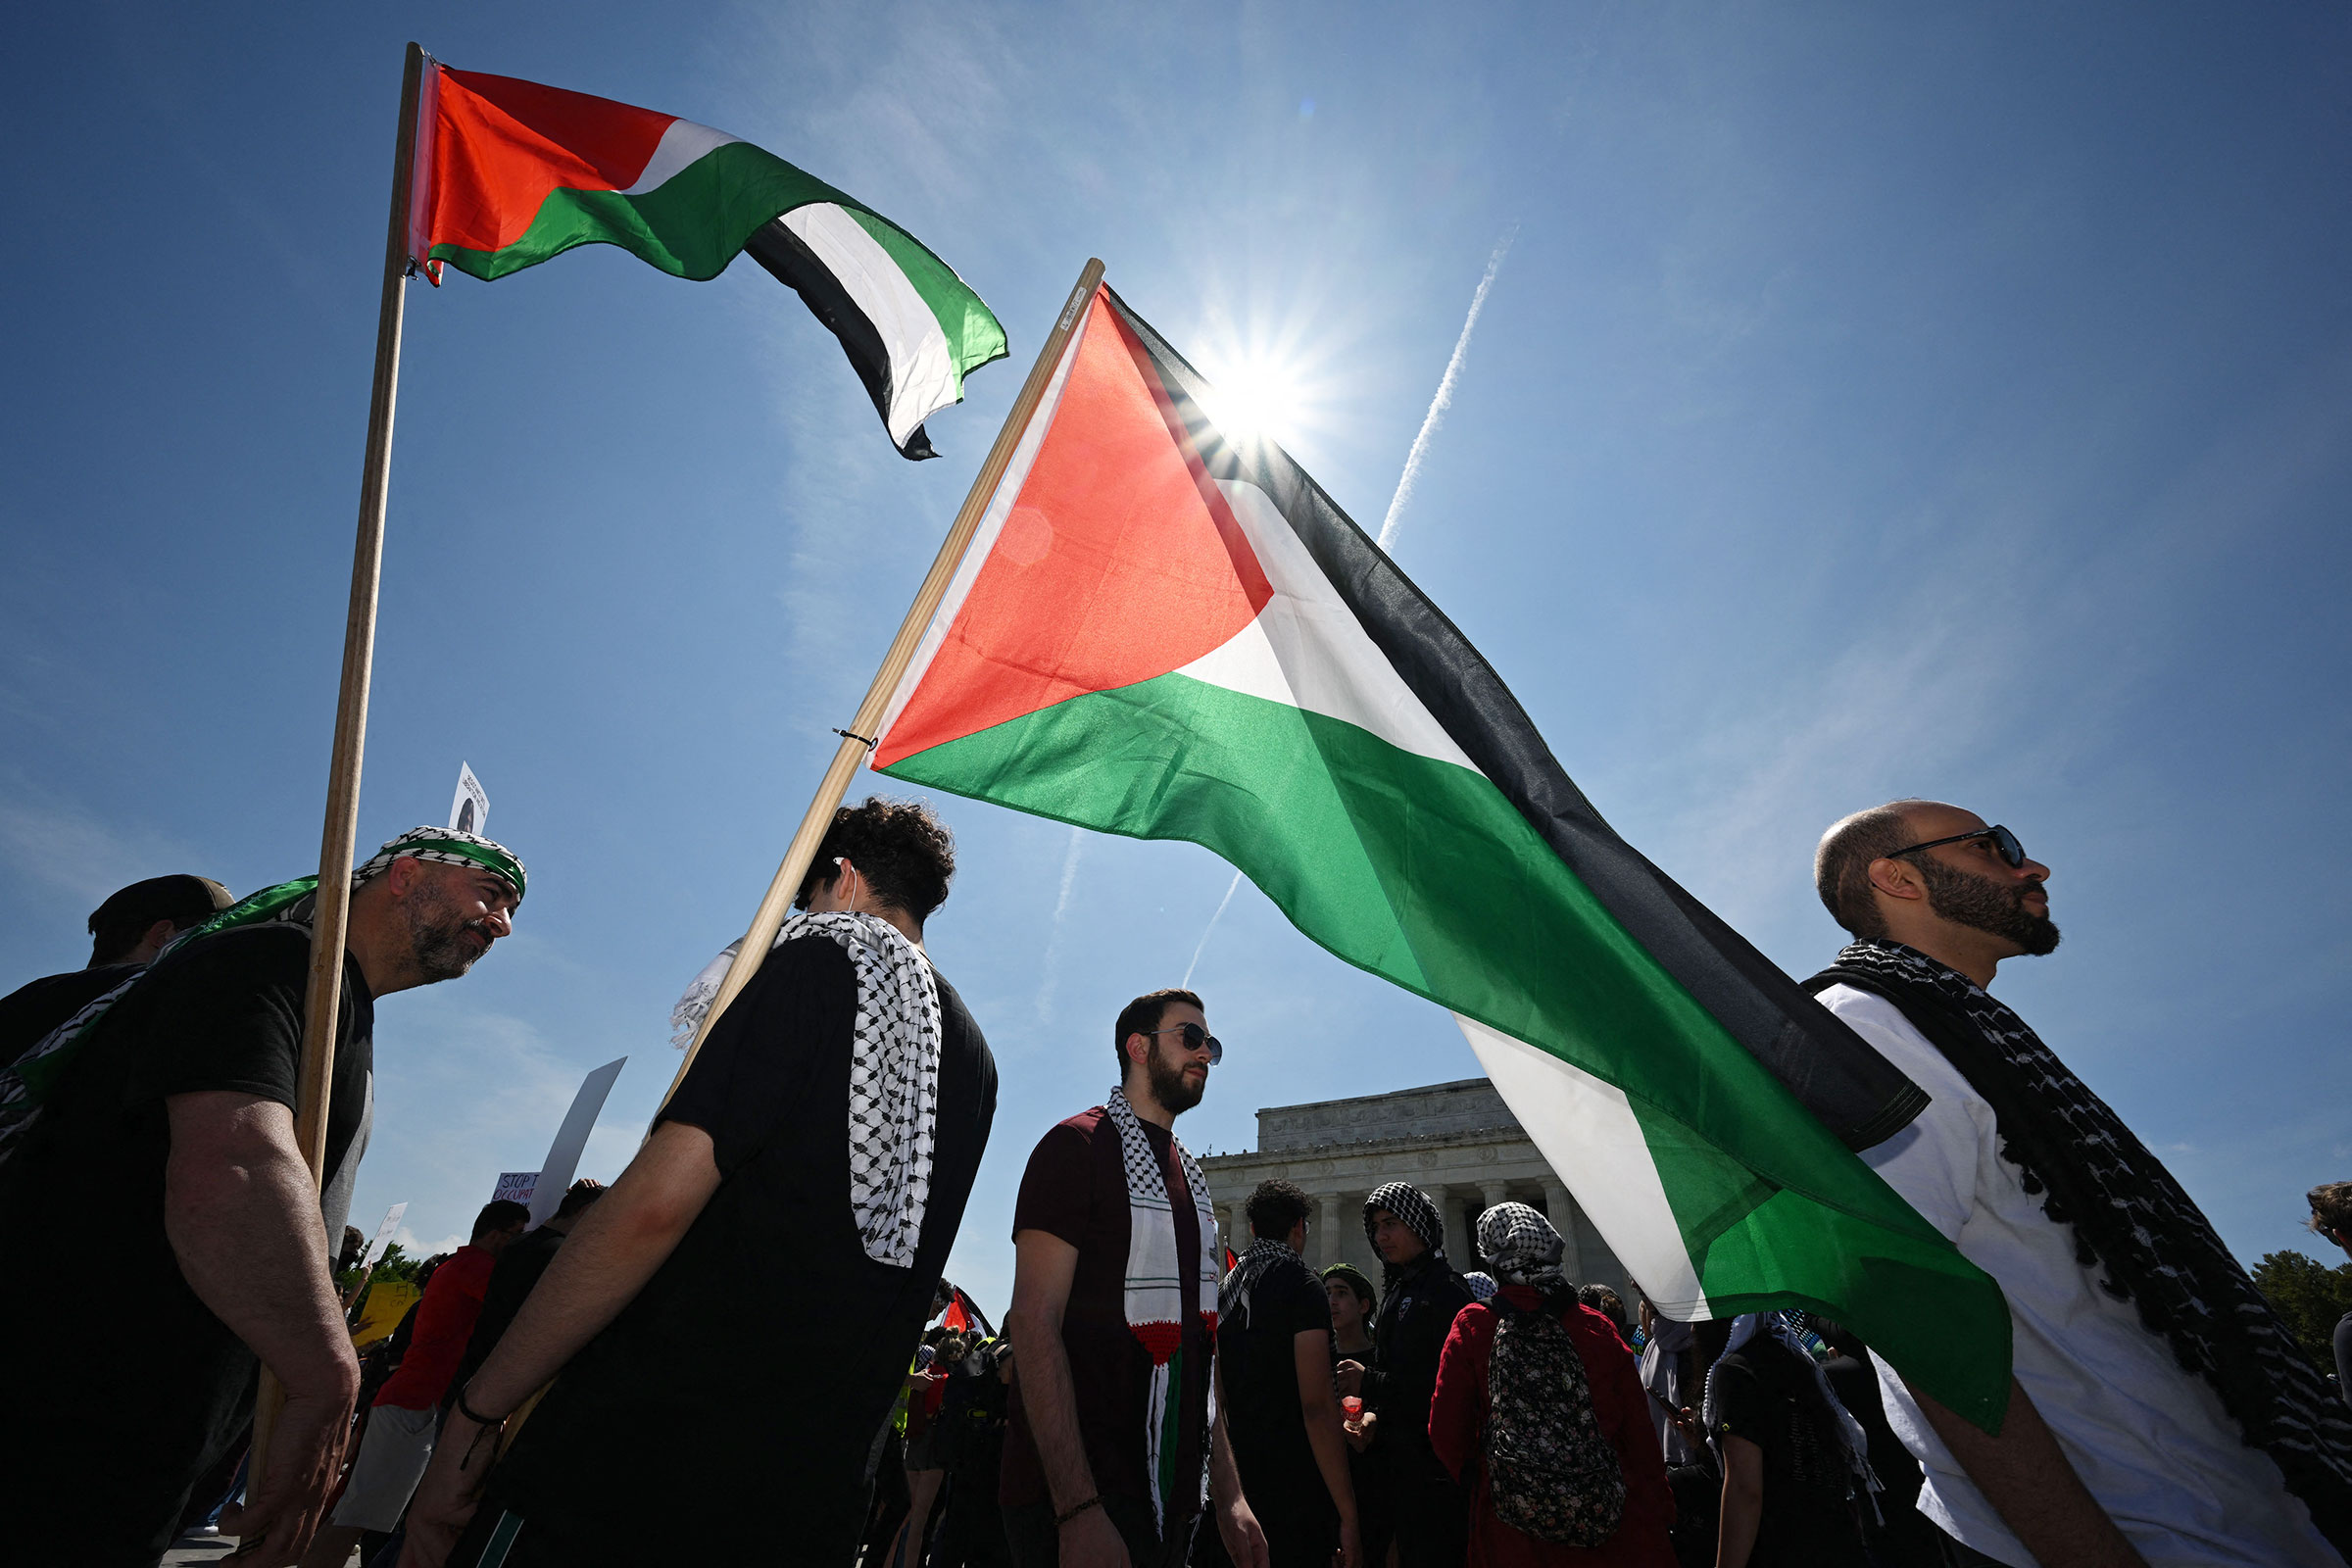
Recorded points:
(2129, 1219)
(1411, 1205)
(894, 1071)
(1158, 1297)
(1522, 1247)
(25, 1086)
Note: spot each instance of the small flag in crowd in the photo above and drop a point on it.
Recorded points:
(510, 173)
(1165, 633)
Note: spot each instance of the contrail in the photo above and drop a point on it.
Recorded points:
(1061, 906)
(1444, 398)
(1203, 945)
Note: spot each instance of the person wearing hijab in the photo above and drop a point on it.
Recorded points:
(1420, 1294)
(1522, 1251)
(1795, 1477)
(162, 1223)
(1665, 1369)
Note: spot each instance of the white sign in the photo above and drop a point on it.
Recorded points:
(515, 1187)
(384, 1236)
(564, 1155)
(469, 810)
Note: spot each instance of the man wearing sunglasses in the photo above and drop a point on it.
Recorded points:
(1116, 1262)
(2110, 1452)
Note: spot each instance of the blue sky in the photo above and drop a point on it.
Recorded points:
(1875, 400)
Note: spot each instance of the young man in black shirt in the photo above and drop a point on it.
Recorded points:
(1420, 1294)
(801, 1190)
(1275, 1372)
(159, 1225)
(127, 932)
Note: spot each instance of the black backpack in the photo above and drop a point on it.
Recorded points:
(1551, 1470)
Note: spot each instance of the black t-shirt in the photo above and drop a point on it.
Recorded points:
(124, 1387)
(1764, 1393)
(733, 1404)
(1416, 1315)
(1257, 1347)
(517, 1270)
(29, 1012)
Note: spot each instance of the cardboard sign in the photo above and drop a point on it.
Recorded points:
(384, 1236)
(469, 810)
(515, 1187)
(564, 1155)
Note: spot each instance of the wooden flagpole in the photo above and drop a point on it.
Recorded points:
(860, 738)
(316, 1086)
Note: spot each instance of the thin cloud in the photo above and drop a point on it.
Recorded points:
(1445, 399)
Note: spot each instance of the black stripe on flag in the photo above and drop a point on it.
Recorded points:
(794, 265)
(1835, 1075)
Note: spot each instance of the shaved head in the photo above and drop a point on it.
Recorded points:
(1841, 864)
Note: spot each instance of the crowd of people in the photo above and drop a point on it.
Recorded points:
(709, 1360)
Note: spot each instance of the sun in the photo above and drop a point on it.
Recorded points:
(1256, 396)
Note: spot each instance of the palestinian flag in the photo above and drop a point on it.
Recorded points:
(1165, 633)
(510, 173)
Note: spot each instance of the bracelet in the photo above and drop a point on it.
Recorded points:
(476, 1417)
(1093, 1500)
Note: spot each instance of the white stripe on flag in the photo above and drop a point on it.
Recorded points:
(681, 144)
(923, 375)
(1307, 650)
(1586, 1129)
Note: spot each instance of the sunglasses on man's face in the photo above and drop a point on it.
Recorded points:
(2004, 844)
(1194, 1037)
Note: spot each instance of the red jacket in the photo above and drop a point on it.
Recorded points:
(1457, 1420)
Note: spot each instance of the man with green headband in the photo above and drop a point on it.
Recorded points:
(157, 1221)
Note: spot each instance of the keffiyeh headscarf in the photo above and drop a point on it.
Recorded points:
(25, 1086)
(894, 1070)
(1522, 1247)
(2130, 1219)
(1411, 1205)
(1481, 1285)
(1158, 1299)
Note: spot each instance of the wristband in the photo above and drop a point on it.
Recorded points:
(475, 1416)
(1063, 1518)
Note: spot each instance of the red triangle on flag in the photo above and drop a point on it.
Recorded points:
(1120, 561)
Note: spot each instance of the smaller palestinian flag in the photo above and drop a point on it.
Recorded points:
(510, 173)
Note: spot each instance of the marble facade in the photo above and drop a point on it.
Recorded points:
(1456, 1141)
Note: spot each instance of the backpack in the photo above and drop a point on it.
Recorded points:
(1551, 1472)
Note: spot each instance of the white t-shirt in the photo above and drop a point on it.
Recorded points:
(2151, 1442)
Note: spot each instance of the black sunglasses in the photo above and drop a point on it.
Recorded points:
(2002, 839)
(1194, 1037)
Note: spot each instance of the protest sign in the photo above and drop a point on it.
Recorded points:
(515, 1187)
(384, 1236)
(564, 1155)
(470, 809)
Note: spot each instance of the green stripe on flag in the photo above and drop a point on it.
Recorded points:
(974, 335)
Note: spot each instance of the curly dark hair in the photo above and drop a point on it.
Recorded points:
(1275, 1207)
(905, 853)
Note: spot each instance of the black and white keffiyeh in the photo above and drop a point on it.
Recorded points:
(1522, 1247)
(894, 1070)
(1411, 1205)
(2130, 1219)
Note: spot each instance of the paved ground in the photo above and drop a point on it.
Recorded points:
(194, 1551)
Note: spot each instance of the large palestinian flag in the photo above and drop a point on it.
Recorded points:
(1166, 633)
(510, 173)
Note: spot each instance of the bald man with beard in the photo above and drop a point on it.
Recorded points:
(2110, 1453)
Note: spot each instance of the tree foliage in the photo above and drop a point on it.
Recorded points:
(2309, 1298)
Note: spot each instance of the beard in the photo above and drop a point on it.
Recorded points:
(1175, 1094)
(443, 945)
(1988, 906)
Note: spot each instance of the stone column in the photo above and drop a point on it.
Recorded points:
(1560, 1209)
(1326, 1247)
(1457, 1231)
(1493, 1193)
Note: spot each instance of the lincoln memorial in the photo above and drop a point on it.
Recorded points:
(1456, 1141)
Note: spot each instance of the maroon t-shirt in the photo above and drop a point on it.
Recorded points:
(1076, 1188)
